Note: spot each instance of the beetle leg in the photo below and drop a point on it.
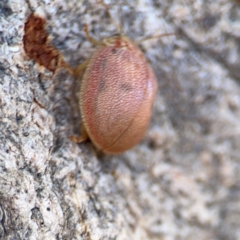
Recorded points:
(81, 138)
(80, 68)
(77, 139)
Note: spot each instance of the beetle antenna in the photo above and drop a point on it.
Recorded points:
(121, 21)
(119, 29)
(153, 37)
(90, 39)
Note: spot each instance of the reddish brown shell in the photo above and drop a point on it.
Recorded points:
(116, 95)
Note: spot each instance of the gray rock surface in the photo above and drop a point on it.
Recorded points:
(180, 182)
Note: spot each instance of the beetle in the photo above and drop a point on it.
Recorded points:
(116, 95)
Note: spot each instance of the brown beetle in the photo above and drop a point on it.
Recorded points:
(116, 95)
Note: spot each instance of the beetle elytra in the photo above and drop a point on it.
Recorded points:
(116, 96)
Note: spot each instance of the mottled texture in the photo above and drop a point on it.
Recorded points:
(37, 45)
(181, 182)
(117, 94)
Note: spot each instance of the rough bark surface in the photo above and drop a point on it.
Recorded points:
(180, 182)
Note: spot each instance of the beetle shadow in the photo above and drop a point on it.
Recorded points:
(65, 109)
